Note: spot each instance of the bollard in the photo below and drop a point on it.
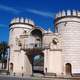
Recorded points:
(14, 74)
(22, 74)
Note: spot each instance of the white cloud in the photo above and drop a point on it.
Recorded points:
(42, 13)
(10, 9)
(3, 25)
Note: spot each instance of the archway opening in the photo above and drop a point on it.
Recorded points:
(36, 32)
(11, 66)
(38, 63)
(68, 69)
(36, 38)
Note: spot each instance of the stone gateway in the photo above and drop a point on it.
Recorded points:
(61, 49)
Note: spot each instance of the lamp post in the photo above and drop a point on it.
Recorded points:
(8, 58)
(32, 65)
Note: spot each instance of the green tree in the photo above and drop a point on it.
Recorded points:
(3, 52)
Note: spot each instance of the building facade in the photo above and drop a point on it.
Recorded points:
(61, 49)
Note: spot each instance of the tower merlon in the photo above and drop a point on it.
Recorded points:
(67, 16)
(67, 13)
(22, 21)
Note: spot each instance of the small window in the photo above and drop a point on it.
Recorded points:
(35, 45)
(19, 44)
(55, 41)
(38, 39)
(25, 32)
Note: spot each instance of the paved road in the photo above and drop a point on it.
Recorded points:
(15, 78)
(3, 77)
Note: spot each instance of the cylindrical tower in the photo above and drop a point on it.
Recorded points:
(18, 27)
(67, 23)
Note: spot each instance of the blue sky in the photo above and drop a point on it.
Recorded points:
(41, 11)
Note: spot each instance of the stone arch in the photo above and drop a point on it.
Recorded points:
(68, 69)
(38, 29)
(36, 37)
(36, 32)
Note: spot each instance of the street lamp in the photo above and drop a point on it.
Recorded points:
(8, 58)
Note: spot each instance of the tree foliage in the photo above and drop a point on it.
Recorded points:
(3, 49)
(3, 52)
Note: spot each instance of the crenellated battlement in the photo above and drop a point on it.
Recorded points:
(22, 21)
(68, 13)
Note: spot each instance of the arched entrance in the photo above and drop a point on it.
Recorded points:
(38, 63)
(68, 69)
(11, 67)
(35, 46)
